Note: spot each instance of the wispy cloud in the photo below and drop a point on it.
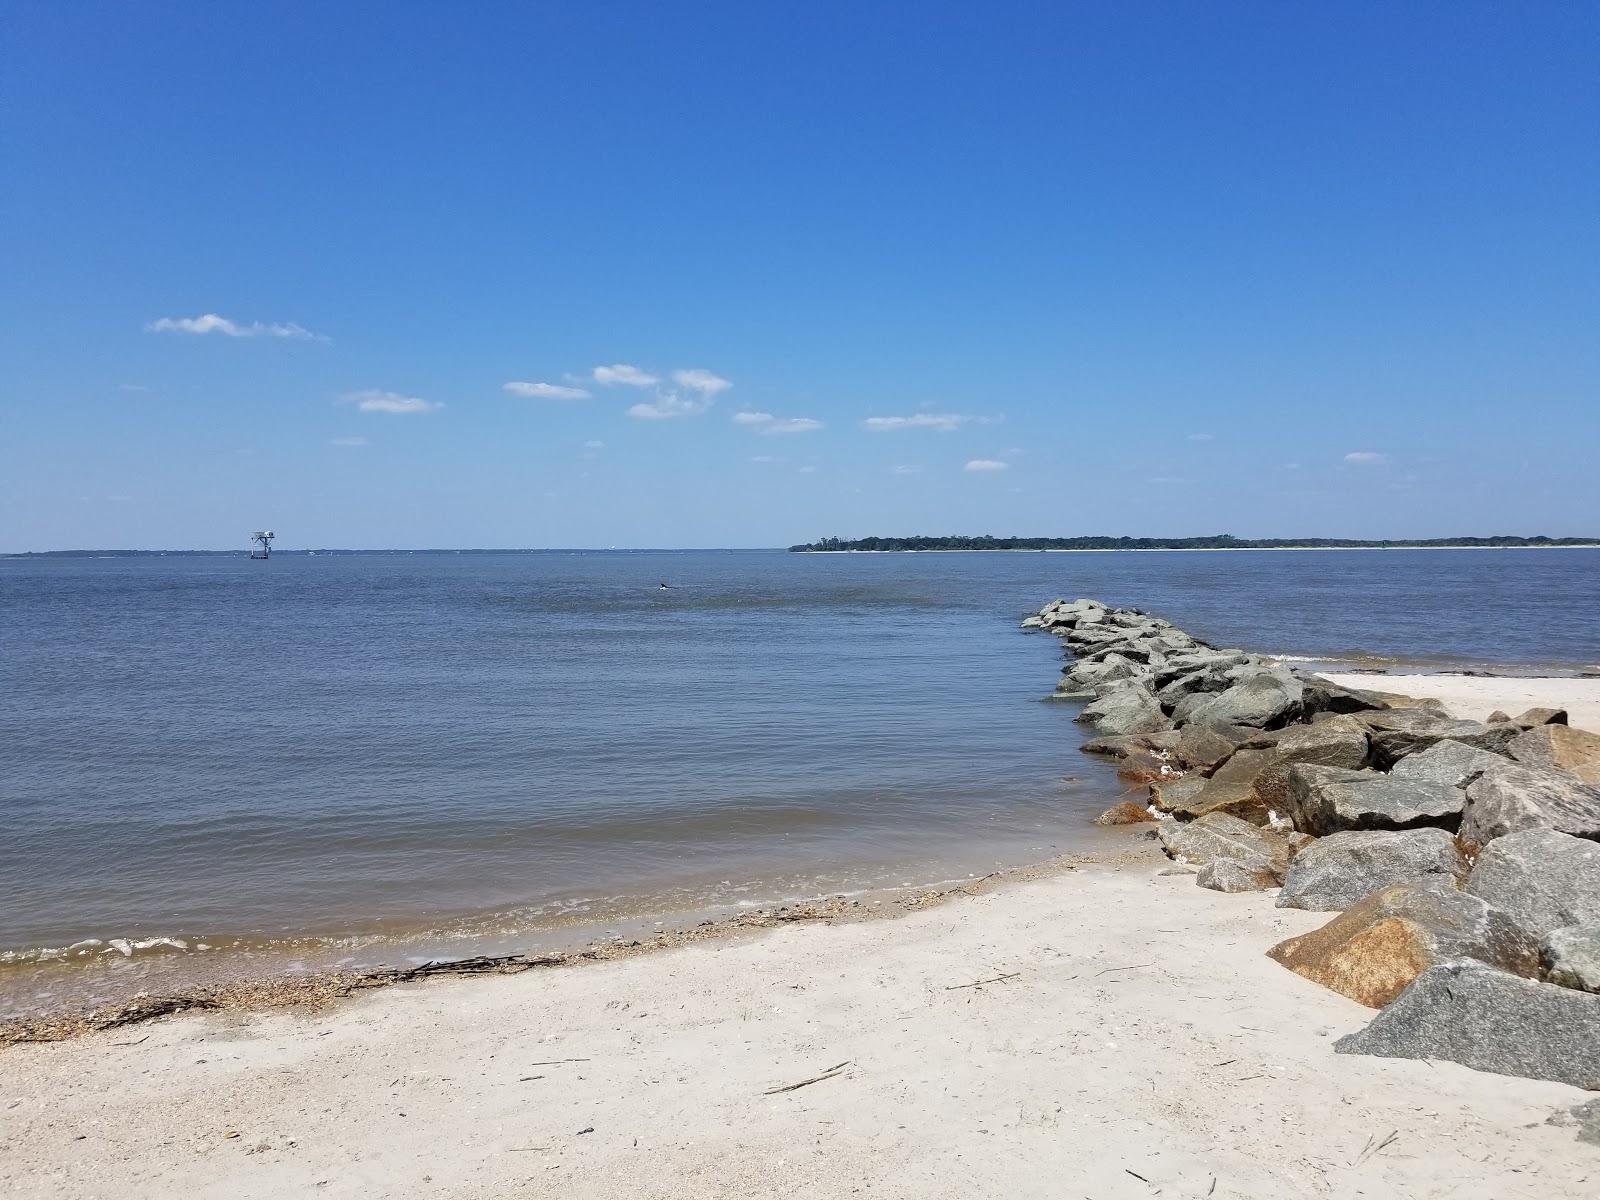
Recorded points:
(763, 458)
(697, 379)
(212, 323)
(941, 422)
(132, 387)
(905, 470)
(374, 401)
(808, 471)
(1366, 458)
(594, 444)
(986, 464)
(544, 391)
(668, 406)
(767, 423)
(1202, 437)
(349, 441)
(624, 374)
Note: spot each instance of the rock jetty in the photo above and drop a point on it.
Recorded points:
(1462, 858)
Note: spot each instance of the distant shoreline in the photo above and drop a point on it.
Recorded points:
(1202, 549)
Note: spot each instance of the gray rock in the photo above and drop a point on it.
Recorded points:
(1323, 695)
(1218, 836)
(1560, 746)
(1205, 745)
(1100, 672)
(1450, 762)
(1542, 716)
(1333, 873)
(1121, 745)
(1128, 709)
(1265, 700)
(1585, 1116)
(1508, 797)
(1489, 1020)
(1337, 741)
(1542, 880)
(1170, 794)
(1324, 800)
(1399, 732)
(1571, 957)
(1227, 875)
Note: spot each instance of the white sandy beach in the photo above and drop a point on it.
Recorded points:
(1474, 697)
(1135, 1041)
(1143, 1045)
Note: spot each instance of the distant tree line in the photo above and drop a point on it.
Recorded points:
(1221, 541)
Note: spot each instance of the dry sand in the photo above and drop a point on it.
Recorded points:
(1142, 1045)
(1134, 1041)
(1475, 697)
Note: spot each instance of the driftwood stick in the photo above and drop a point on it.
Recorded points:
(1133, 967)
(956, 987)
(790, 1087)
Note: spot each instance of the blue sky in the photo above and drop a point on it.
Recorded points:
(776, 272)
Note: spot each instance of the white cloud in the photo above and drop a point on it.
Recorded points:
(697, 379)
(349, 441)
(808, 470)
(624, 374)
(763, 458)
(667, 406)
(374, 401)
(594, 444)
(942, 422)
(904, 470)
(986, 464)
(545, 391)
(212, 323)
(1202, 437)
(767, 423)
(1366, 458)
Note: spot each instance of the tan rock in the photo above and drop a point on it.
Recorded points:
(1575, 750)
(1372, 952)
(1126, 813)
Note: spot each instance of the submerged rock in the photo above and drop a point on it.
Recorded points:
(1509, 797)
(1571, 957)
(1338, 871)
(1542, 880)
(1468, 1013)
(1373, 951)
(1323, 800)
(1560, 746)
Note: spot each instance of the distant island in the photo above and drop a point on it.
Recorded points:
(1222, 541)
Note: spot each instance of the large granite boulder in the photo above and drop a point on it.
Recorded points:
(1325, 696)
(1219, 836)
(1449, 761)
(1339, 741)
(1542, 716)
(1231, 789)
(1373, 951)
(1336, 872)
(1323, 800)
(1489, 1020)
(1560, 746)
(1399, 732)
(1571, 957)
(1265, 699)
(1173, 793)
(1122, 745)
(1541, 879)
(1128, 709)
(1228, 875)
(1205, 745)
(1101, 672)
(1508, 797)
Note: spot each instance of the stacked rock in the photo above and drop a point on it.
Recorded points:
(1462, 856)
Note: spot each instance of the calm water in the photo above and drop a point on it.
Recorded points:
(354, 759)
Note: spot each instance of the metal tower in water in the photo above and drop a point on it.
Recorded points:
(263, 539)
